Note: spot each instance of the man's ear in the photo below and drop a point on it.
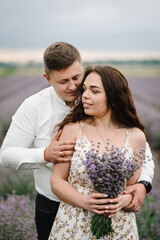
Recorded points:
(48, 79)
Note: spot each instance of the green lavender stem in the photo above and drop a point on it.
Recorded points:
(101, 225)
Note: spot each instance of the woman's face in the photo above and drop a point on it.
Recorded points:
(94, 97)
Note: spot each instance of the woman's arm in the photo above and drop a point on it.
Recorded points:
(59, 184)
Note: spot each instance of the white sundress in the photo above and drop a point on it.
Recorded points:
(73, 223)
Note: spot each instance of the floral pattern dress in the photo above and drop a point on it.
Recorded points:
(73, 223)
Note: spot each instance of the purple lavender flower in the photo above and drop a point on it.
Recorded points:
(16, 218)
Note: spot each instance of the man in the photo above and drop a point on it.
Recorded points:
(29, 143)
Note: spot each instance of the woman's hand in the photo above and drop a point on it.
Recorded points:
(96, 203)
(100, 204)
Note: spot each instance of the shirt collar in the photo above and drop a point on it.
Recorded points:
(58, 99)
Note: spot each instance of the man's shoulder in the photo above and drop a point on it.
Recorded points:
(36, 101)
(46, 92)
(42, 96)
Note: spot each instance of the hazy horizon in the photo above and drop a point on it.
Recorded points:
(36, 55)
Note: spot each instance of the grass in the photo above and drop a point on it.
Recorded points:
(18, 181)
(134, 68)
(29, 69)
(128, 68)
(5, 72)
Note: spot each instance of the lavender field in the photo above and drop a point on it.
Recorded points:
(146, 93)
(13, 90)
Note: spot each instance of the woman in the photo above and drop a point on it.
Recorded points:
(105, 111)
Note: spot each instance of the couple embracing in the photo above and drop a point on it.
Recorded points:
(97, 120)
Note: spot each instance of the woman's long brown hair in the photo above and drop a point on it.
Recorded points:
(119, 99)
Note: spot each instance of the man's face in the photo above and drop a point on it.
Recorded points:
(66, 81)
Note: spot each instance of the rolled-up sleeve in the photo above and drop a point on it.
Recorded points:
(147, 172)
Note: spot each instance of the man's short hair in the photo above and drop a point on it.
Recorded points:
(60, 55)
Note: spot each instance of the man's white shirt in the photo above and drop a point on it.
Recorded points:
(30, 133)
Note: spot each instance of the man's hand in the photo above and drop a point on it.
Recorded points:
(59, 151)
(138, 192)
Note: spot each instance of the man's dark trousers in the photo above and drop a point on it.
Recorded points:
(45, 213)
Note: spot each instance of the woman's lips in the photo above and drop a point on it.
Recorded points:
(86, 105)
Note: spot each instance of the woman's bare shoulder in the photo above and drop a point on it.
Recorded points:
(138, 139)
(70, 131)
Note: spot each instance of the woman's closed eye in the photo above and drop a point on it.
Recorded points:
(94, 91)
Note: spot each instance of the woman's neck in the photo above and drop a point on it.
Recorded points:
(104, 122)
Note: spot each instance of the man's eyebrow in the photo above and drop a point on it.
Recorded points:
(78, 74)
(65, 79)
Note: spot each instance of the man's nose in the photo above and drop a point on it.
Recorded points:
(72, 86)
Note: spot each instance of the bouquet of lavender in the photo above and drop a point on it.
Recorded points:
(108, 173)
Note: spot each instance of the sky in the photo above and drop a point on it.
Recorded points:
(101, 25)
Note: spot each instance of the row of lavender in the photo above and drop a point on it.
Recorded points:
(14, 89)
(17, 194)
(146, 93)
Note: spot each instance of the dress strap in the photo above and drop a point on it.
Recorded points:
(127, 134)
(82, 128)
